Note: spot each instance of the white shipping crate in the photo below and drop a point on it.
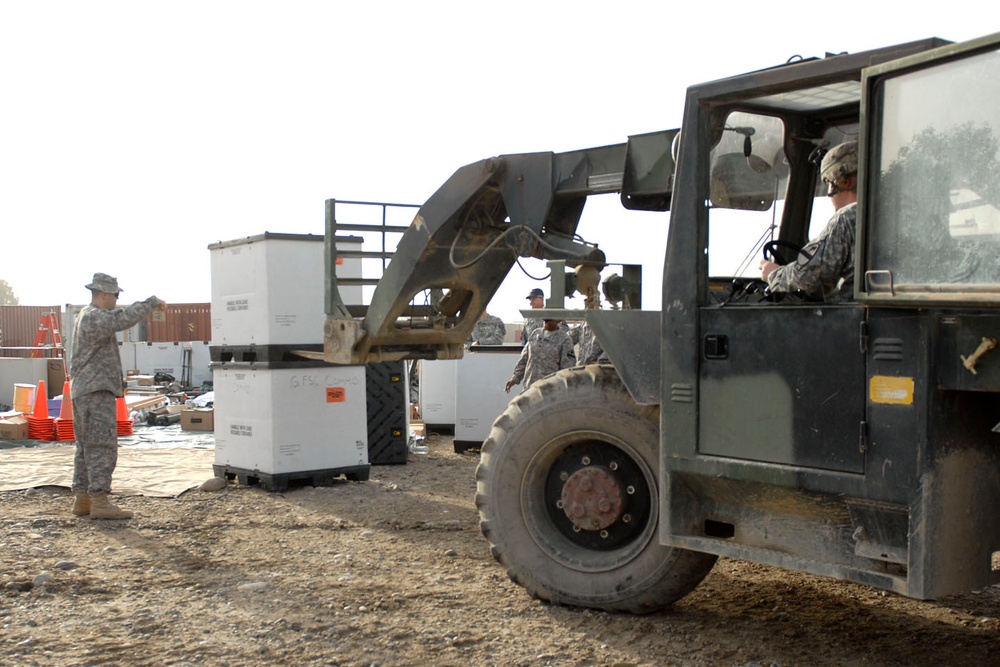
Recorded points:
(289, 420)
(269, 289)
(437, 392)
(481, 396)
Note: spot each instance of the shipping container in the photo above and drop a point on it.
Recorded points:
(182, 322)
(19, 325)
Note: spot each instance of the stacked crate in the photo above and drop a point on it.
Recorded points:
(281, 417)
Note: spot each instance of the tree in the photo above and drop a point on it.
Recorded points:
(7, 297)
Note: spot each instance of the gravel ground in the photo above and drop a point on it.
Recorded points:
(395, 571)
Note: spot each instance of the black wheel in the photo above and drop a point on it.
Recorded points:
(568, 498)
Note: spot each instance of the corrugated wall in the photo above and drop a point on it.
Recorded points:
(182, 322)
(20, 324)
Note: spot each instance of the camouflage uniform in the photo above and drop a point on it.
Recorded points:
(546, 353)
(95, 425)
(829, 273)
(590, 350)
(533, 324)
(96, 382)
(489, 330)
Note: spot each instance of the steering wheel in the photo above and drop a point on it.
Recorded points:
(773, 254)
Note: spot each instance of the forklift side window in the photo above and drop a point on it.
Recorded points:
(748, 179)
(936, 179)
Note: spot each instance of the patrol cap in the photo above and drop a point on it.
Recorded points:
(104, 283)
(839, 162)
(535, 293)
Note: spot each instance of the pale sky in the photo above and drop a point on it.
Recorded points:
(134, 134)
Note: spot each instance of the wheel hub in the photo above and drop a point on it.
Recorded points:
(597, 497)
(592, 498)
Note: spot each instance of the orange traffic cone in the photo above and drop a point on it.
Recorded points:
(122, 410)
(124, 420)
(41, 410)
(66, 409)
(40, 425)
(64, 424)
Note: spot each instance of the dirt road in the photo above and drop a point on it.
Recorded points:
(394, 571)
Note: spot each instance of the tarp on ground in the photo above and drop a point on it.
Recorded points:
(153, 461)
(162, 472)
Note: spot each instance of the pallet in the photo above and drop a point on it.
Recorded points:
(465, 445)
(283, 481)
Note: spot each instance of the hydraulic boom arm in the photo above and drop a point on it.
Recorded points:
(460, 247)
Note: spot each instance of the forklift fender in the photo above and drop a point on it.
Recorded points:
(631, 339)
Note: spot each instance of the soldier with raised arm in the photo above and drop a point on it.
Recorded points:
(96, 384)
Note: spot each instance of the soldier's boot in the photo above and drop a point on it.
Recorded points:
(101, 508)
(81, 504)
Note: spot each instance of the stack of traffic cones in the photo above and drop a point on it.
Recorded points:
(64, 423)
(40, 425)
(124, 421)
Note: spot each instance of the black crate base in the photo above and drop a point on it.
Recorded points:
(393, 452)
(387, 407)
(273, 355)
(284, 481)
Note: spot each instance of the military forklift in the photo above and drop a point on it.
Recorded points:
(858, 439)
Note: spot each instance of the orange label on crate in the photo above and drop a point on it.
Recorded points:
(336, 394)
(339, 261)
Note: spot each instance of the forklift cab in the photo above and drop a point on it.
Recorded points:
(840, 438)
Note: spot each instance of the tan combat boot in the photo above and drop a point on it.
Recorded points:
(81, 505)
(100, 508)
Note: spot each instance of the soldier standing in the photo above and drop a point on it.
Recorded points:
(536, 299)
(548, 351)
(591, 350)
(96, 384)
(488, 330)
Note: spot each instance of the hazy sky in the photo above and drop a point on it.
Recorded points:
(134, 134)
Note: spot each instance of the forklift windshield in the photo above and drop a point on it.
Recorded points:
(935, 175)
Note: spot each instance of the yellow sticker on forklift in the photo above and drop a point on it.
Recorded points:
(891, 390)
